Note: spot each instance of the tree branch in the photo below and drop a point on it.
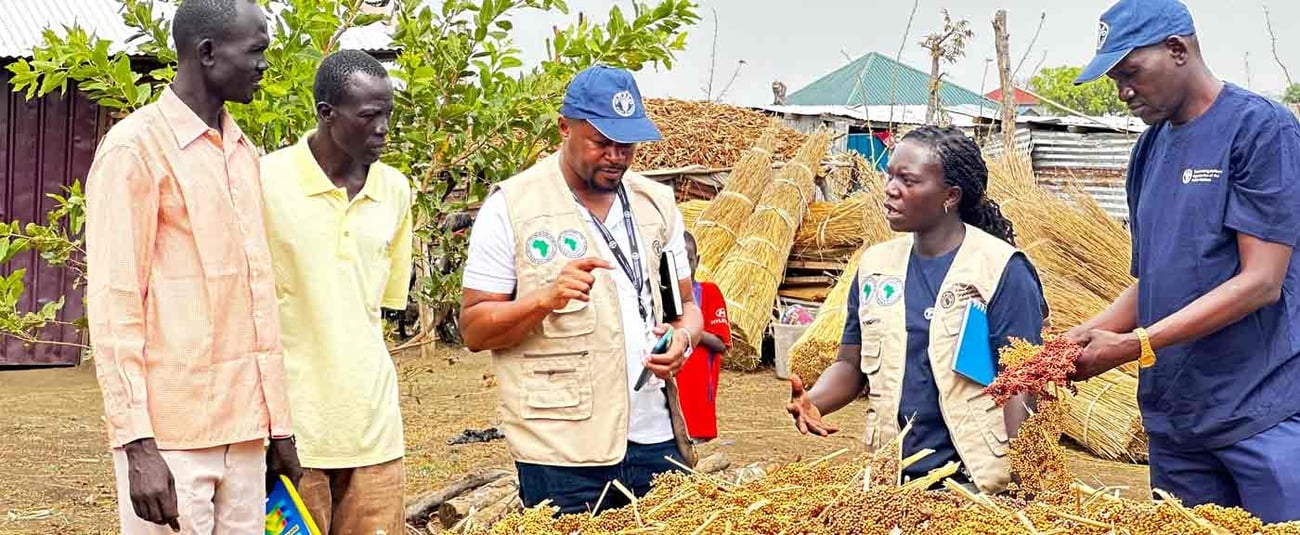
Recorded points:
(1268, 23)
(713, 59)
(1041, 19)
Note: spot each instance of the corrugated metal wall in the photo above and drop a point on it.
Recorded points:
(45, 144)
(1094, 162)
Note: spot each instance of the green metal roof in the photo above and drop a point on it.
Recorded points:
(884, 82)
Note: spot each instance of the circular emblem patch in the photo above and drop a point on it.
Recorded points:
(889, 291)
(541, 247)
(624, 105)
(868, 288)
(573, 244)
(948, 299)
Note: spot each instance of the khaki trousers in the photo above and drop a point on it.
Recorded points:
(219, 491)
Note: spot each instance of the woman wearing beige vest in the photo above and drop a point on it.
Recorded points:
(907, 308)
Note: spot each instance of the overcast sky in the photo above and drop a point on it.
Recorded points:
(796, 45)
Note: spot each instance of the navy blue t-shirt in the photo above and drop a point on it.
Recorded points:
(1191, 190)
(1016, 310)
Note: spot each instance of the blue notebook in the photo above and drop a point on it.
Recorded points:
(975, 359)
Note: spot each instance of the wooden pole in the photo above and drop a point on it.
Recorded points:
(1001, 40)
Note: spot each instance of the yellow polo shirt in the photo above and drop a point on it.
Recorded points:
(337, 261)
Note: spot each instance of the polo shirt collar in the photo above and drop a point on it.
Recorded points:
(314, 181)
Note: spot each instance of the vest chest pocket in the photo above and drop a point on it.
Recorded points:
(558, 386)
(576, 319)
(873, 332)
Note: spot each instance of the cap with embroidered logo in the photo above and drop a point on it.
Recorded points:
(1133, 24)
(608, 98)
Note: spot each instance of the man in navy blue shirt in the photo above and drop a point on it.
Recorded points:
(1214, 318)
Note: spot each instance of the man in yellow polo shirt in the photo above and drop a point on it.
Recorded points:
(339, 228)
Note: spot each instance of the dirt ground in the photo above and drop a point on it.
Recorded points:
(56, 474)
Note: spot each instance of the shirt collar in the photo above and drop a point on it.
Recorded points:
(314, 181)
(188, 127)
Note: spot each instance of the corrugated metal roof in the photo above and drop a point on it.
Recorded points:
(24, 21)
(962, 116)
(875, 79)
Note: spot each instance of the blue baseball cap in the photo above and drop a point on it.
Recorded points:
(1133, 24)
(609, 99)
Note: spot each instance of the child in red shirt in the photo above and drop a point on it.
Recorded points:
(697, 382)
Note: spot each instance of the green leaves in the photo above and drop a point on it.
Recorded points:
(1100, 97)
(469, 112)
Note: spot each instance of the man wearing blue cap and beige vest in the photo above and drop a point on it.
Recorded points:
(561, 285)
(1214, 318)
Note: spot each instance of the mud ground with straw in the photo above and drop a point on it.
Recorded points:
(56, 474)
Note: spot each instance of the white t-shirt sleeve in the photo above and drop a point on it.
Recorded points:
(490, 266)
(677, 245)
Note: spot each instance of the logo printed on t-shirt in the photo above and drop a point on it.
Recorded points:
(1201, 176)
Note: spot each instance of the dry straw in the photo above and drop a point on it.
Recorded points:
(691, 211)
(819, 345)
(829, 497)
(1104, 417)
(718, 226)
(750, 275)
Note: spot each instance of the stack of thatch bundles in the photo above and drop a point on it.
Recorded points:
(718, 226)
(833, 230)
(751, 273)
(819, 345)
(691, 211)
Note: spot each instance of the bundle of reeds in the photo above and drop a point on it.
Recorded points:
(691, 211)
(1104, 417)
(852, 222)
(751, 274)
(710, 134)
(1081, 253)
(718, 226)
(819, 345)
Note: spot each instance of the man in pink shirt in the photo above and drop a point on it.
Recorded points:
(181, 293)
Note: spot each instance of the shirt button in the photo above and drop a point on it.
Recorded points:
(347, 233)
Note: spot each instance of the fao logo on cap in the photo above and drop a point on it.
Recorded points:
(623, 103)
(1103, 31)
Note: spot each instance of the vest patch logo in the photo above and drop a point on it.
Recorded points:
(541, 247)
(890, 292)
(947, 299)
(573, 244)
(868, 288)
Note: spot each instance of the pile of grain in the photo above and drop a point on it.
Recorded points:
(750, 275)
(864, 497)
(709, 134)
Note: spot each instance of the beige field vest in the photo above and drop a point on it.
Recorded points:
(976, 425)
(564, 391)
